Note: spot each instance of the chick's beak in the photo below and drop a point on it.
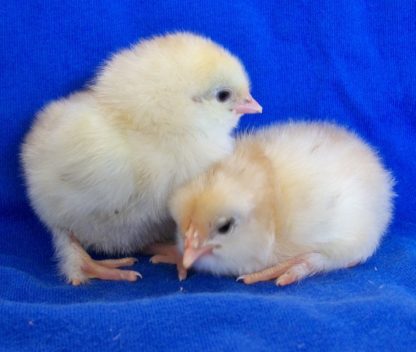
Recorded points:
(248, 105)
(193, 249)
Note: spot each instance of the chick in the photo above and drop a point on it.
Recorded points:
(293, 200)
(100, 164)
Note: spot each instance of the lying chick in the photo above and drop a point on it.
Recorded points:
(293, 200)
(100, 164)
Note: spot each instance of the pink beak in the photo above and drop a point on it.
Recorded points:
(193, 251)
(248, 105)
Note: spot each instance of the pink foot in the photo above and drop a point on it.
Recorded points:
(103, 269)
(167, 254)
(289, 271)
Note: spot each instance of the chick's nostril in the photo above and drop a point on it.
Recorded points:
(188, 242)
(195, 243)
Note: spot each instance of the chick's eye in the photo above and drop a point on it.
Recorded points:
(226, 227)
(223, 95)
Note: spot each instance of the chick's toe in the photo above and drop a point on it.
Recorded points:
(167, 254)
(102, 269)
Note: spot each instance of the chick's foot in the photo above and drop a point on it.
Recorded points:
(167, 254)
(102, 269)
(289, 271)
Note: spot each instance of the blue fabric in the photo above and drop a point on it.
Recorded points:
(347, 61)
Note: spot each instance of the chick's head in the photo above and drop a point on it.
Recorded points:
(177, 79)
(218, 231)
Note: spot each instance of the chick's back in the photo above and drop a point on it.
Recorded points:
(70, 157)
(333, 191)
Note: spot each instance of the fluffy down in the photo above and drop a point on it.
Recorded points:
(100, 164)
(291, 201)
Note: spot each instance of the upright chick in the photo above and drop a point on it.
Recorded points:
(101, 164)
(292, 201)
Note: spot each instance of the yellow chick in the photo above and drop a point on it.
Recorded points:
(100, 164)
(293, 200)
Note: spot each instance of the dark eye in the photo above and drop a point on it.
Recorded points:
(226, 227)
(223, 95)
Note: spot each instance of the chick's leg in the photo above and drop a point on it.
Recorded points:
(289, 271)
(78, 267)
(167, 254)
(102, 269)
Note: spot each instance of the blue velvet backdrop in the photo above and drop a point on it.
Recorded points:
(348, 61)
